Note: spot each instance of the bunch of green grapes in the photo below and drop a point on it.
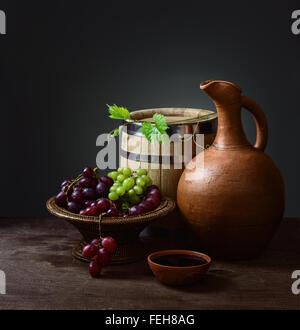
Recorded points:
(128, 188)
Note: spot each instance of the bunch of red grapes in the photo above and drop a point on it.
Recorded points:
(92, 195)
(100, 253)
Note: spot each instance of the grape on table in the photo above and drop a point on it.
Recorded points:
(99, 252)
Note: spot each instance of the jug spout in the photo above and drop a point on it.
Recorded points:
(222, 92)
(228, 100)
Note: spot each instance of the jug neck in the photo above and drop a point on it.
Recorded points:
(230, 133)
(227, 98)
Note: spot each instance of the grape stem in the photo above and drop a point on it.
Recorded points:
(96, 171)
(79, 177)
(100, 218)
(72, 184)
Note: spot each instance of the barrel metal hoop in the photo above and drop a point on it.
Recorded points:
(157, 159)
(205, 128)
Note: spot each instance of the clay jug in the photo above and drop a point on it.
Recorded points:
(232, 195)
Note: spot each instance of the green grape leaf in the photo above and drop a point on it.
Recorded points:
(147, 130)
(158, 136)
(153, 134)
(160, 123)
(163, 138)
(116, 132)
(118, 112)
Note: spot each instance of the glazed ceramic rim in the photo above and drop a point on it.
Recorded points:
(203, 256)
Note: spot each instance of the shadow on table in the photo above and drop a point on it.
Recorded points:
(281, 253)
(211, 282)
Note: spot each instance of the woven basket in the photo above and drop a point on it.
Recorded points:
(125, 230)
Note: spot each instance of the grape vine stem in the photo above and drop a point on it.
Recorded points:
(72, 184)
(100, 219)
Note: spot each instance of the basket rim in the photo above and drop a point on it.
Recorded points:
(167, 205)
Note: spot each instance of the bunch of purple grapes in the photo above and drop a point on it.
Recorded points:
(90, 194)
(87, 194)
(99, 252)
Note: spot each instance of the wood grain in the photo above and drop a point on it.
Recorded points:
(41, 273)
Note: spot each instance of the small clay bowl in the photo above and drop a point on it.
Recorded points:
(179, 274)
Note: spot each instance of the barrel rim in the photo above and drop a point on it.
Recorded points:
(181, 108)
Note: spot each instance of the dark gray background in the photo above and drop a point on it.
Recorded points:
(62, 61)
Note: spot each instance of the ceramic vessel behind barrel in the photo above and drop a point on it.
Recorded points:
(232, 195)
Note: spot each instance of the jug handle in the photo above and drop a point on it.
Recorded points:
(260, 122)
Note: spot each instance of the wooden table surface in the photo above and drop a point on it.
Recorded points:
(40, 272)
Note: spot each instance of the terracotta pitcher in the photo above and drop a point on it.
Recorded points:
(232, 195)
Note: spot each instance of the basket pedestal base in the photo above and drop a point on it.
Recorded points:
(126, 253)
(125, 231)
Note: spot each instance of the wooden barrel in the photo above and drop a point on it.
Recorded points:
(163, 166)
